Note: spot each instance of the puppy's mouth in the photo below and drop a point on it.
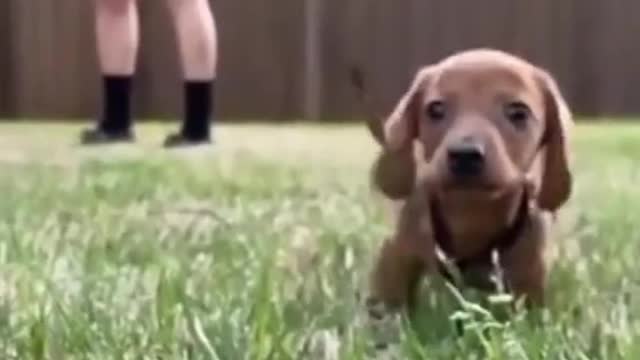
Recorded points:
(485, 184)
(475, 186)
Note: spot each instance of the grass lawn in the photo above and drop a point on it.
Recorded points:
(259, 249)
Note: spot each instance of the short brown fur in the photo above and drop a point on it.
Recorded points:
(476, 87)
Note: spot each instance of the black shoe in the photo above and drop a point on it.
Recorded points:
(180, 140)
(97, 136)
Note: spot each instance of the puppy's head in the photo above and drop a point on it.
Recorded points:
(479, 119)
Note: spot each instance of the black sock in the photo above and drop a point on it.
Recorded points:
(116, 115)
(198, 102)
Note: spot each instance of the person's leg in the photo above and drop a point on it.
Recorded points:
(117, 36)
(198, 44)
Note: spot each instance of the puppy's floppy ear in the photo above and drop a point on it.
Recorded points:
(401, 127)
(556, 183)
(394, 172)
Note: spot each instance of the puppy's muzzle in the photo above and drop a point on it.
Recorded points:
(466, 160)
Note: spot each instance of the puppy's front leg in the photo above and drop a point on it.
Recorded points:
(396, 276)
(404, 258)
(526, 264)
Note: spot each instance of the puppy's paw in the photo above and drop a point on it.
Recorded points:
(384, 325)
(376, 308)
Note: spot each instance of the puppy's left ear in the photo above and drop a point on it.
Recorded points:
(557, 180)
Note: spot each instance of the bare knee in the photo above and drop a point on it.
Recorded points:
(115, 6)
(177, 5)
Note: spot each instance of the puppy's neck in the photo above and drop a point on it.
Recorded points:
(475, 219)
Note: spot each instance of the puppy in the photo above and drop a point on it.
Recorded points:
(476, 155)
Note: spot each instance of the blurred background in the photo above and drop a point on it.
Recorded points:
(288, 59)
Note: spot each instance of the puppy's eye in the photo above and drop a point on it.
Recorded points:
(517, 113)
(436, 110)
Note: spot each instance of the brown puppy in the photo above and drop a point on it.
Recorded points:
(475, 153)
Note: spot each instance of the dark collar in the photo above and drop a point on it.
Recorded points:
(501, 243)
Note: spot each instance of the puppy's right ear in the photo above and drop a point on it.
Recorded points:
(394, 172)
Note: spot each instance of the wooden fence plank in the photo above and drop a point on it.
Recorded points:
(48, 63)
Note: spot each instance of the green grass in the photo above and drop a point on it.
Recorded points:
(260, 248)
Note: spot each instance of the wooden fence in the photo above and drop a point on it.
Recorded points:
(287, 59)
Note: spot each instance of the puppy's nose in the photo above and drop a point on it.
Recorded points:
(466, 159)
